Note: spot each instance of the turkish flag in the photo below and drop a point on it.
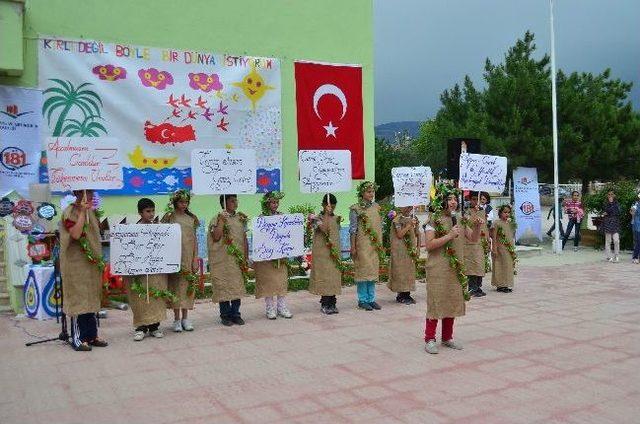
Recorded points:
(329, 110)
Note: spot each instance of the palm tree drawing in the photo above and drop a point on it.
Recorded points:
(67, 99)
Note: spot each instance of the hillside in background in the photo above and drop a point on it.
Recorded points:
(390, 129)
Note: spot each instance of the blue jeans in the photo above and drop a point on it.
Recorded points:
(366, 291)
(636, 245)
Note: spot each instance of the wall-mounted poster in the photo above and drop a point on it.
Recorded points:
(162, 103)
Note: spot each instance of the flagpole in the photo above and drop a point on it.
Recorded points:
(557, 245)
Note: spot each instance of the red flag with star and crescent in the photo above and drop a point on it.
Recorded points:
(329, 110)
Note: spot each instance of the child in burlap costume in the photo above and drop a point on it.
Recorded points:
(228, 253)
(326, 268)
(474, 257)
(272, 277)
(179, 284)
(404, 235)
(446, 282)
(147, 313)
(80, 266)
(503, 261)
(365, 230)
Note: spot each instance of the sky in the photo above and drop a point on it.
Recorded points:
(422, 47)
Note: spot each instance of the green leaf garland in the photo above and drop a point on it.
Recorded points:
(454, 262)
(138, 288)
(502, 238)
(373, 237)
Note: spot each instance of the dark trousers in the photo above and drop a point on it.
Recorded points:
(576, 239)
(230, 309)
(636, 244)
(553, 227)
(403, 295)
(475, 283)
(328, 301)
(148, 328)
(84, 328)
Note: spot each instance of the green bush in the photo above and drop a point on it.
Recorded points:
(626, 194)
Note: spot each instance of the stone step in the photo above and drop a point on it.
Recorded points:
(528, 251)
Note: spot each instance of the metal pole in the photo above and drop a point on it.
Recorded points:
(557, 243)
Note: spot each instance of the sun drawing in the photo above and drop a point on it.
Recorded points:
(253, 86)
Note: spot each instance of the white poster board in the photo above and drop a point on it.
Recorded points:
(482, 172)
(324, 171)
(77, 163)
(278, 236)
(221, 171)
(138, 249)
(411, 185)
(20, 116)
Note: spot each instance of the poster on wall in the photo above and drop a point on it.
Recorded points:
(19, 138)
(164, 103)
(527, 203)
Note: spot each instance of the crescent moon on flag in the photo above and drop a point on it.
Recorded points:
(329, 89)
(163, 135)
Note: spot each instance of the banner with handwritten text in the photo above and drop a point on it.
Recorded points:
(220, 171)
(324, 171)
(164, 103)
(482, 172)
(278, 236)
(138, 249)
(77, 163)
(411, 185)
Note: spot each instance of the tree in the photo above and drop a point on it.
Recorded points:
(599, 132)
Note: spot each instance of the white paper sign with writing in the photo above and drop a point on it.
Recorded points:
(278, 236)
(325, 171)
(482, 172)
(138, 249)
(220, 171)
(78, 163)
(411, 185)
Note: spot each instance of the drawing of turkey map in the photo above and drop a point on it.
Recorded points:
(162, 104)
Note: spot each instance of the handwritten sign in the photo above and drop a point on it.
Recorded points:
(77, 163)
(411, 185)
(220, 171)
(324, 171)
(482, 172)
(138, 249)
(278, 236)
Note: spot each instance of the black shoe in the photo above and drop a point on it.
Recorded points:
(226, 322)
(508, 290)
(502, 290)
(479, 293)
(326, 310)
(237, 321)
(410, 300)
(97, 342)
(82, 347)
(375, 306)
(334, 309)
(365, 306)
(400, 299)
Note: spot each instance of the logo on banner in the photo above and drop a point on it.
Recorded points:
(14, 112)
(13, 158)
(525, 181)
(527, 208)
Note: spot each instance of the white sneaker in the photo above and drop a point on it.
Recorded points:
(431, 347)
(636, 261)
(158, 334)
(609, 259)
(138, 336)
(575, 249)
(452, 344)
(284, 312)
(616, 259)
(271, 312)
(187, 325)
(177, 326)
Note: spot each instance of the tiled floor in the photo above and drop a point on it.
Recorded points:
(564, 347)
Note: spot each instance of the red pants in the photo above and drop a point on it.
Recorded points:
(432, 324)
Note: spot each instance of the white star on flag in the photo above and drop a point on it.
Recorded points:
(330, 129)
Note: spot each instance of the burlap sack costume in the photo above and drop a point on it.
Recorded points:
(226, 277)
(326, 278)
(502, 274)
(473, 252)
(156, 309)
(367, 264)
(444, 293)
(402, 269)
(177, 283)
(81, 280)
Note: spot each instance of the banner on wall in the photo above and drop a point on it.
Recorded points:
(527, 203)
(329, 110)
(164, 103)
(19, 138)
